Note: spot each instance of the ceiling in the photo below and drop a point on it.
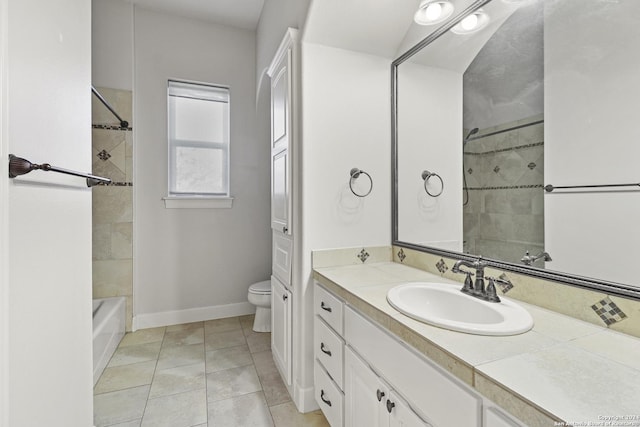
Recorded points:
(235, 13)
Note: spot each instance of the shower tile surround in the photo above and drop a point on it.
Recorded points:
(505, 214)
(113, 204)
(502, 371)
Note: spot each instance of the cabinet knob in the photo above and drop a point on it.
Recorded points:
(379, 395)
(324, 349)
(285, 229)
(285, 297)
(327, 401)
(390, 405)
(325, 307)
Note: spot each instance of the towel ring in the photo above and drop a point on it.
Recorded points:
(355, 174)
(426, 175)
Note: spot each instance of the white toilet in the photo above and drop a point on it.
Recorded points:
(260, 296)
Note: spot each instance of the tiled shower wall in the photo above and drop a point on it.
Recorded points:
(113, 203)
(504, 170)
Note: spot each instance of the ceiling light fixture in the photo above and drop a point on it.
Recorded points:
(433, 12)
(472, 23)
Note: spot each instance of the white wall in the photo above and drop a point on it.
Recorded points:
(47, 234)
(196, 263)
(276, 17)
(112, 44)
(592, 99)
(430, 138)
(346, 124)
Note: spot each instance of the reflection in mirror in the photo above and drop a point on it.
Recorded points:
(503, 146)
(542, 95)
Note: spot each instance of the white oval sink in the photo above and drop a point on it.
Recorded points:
(443, 305)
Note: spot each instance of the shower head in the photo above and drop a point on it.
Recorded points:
(471, 132)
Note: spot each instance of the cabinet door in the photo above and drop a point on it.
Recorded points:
(401, 414)
(281, 302)
(280, 192)
(281, 103)
(364, 393)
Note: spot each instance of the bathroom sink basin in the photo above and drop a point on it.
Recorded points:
(443, 305)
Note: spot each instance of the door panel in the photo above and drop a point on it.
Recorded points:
(46, 118)
(281, 327)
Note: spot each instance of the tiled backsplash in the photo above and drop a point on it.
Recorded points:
(113, 204)
(616, 313)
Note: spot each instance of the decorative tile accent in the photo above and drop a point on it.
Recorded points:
(442, 266)
(507, 187)
(608, 311)
(110, 127)
(504, 284)
(103, 155)
(532, 165)
(496, 169)
(363, 255)
(115, 184)
(401, 255)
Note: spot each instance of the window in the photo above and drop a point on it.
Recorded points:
(198, 140)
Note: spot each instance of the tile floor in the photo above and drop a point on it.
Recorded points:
(215, 373)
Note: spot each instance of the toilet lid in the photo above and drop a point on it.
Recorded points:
(261, 287)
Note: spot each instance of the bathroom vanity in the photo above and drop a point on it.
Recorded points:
(375, 366)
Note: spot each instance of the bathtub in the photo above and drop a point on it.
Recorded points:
(108, 330)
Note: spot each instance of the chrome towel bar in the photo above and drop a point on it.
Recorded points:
(549, 188)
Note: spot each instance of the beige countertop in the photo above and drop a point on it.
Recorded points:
(564, 371)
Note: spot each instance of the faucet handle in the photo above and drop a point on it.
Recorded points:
(491, 294)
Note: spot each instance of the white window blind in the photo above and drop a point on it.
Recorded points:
(198, 139)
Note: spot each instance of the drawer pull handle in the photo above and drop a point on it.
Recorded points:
(328, 402)
(379, 395)
(324, 307)
(324, 349)
(390, 405)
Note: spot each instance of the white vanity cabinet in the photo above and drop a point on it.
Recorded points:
(434, 394)
(329, 347)
(369, 401)
(366, 376)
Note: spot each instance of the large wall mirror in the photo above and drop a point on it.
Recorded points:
(516, 137)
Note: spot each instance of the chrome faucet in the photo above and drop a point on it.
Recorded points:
(476, 288)
(530, 259)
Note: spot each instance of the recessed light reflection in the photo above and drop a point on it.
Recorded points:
(433, 12)
(472, 23)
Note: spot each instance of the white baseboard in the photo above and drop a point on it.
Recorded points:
(166, 318)
(305, 399)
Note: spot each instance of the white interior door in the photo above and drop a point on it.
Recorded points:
(45, 278)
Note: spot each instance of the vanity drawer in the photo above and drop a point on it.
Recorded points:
(436, 395)
(328, 307)
(328, 395)
(329, 350)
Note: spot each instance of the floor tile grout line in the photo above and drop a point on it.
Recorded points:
(206, 380)
(146, 403)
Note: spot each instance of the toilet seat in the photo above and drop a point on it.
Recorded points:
(261, 288)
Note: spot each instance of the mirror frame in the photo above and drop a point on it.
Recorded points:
(598, 285)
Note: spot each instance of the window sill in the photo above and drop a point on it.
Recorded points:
(198, 202)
